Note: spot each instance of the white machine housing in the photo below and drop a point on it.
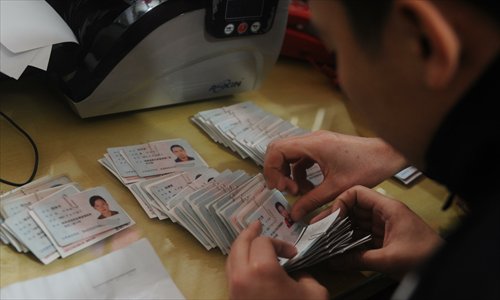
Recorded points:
(180, 62)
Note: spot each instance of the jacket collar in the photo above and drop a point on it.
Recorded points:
(464, 154)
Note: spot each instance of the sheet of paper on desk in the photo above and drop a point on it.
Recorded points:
(28, 29)
(134, 272)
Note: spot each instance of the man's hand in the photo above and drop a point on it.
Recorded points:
(344, 160)
(253, 271)
(401, 239)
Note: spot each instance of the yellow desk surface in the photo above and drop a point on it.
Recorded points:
(70, 145)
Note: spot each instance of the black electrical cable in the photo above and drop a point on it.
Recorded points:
(35, 149)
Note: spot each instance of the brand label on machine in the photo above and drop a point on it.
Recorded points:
(224, 85)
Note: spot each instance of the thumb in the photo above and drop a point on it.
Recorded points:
(374, 260)
(284, 249)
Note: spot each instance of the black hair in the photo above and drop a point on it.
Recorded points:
(368, 18)
(173, 146)
(93, 199)
(277, 205)
(488, 7)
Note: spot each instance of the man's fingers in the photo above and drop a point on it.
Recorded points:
(279, 155)
(347, 261)
(241, 246)
(299, 171)
(362, 198)
(250, 246)
(359, 260)
(286, 184)
(273, 173)
(265, 250)
(321, 215)
(315, 198)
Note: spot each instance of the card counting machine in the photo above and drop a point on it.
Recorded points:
(139, 54)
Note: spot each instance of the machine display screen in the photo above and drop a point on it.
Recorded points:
(238, 18)
(240, 9)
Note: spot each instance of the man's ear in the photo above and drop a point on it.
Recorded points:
(439, 44)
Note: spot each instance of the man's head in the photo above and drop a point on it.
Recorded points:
(282, 210)
(404, 63)
(179, 151)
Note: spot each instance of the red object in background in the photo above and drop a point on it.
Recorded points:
(301, 41)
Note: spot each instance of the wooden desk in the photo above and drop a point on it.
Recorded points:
(67, 144)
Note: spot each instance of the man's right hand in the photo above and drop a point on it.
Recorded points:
(344, 160)
(401, 239)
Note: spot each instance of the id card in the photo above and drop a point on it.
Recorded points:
(32, 236)
(276, 221)
(79, 216)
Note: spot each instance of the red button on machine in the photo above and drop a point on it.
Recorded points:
(242, 28)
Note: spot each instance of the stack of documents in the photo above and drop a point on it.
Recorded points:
(139, 165)
(134, 272)
(137, 162)
(322, 240)
(247, 130)
(52, 217)
(216, 206)
(28, 29)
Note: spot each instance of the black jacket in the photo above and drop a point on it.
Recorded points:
(465, 156)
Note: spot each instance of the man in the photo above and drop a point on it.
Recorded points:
(181, 154)
(425, 75)
(284, 212)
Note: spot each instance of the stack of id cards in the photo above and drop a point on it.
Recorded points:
(247, 130)
(322, 240)
(216, 206)
(139, 165)
(52, 217)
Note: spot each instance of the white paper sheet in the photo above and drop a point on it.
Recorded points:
(27, 25)
(14, 64)
(134, 272)
(28, 29)
(41, 59)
